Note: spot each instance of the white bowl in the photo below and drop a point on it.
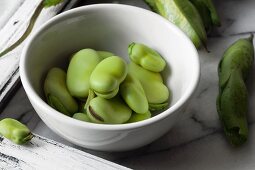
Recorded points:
(110, 27)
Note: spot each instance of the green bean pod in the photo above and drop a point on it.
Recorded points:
(108, 111)
(107, 76)
(57, 94)
(207, 12)
(15, 131)
(156, 92)
(133, 94)
(146, 57)
(152, 5)
(79, 70)
(232, 101)
(136, 117)
(183, 14)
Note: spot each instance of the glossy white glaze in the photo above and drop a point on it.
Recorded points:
(109, 27)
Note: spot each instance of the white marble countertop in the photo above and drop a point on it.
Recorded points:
(197, 141)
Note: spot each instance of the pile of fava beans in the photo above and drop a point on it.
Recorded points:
(100, 87)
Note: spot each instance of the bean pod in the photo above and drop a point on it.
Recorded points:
(232, 101)
(183, 14)
(207, 12)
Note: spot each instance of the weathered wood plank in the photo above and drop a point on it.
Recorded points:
(43, 153)
(13, 25)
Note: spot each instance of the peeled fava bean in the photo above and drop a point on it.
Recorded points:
(135, 117)
(133, 94)
(108, 111)
(104, 54)
(156, 92)
(107, 76)
(57, 94)
(81, 116)
(79, 70)
(15, 131)
(146, 57)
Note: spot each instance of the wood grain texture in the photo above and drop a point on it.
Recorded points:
(14, 19)
(43, 153)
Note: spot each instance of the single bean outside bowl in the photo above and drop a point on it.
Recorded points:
(109, 27)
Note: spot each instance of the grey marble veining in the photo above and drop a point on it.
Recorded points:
(197, 141)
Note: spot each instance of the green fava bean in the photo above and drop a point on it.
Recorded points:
(108, 111)
(104, 54)
(79, 70)
(133, 94)
(154, 88)
(84, 105)
(57, 94)
(157, 106)
(135, 117)
(107, 76)
(81, 116)
(146, 57)
(15, 131)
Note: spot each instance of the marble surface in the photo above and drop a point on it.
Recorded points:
(197, 141)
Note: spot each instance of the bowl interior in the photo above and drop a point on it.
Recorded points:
(112, 28)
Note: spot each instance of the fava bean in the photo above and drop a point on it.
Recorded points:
(79, 70)
(135, 117)
(57, 94)
(15, 131)
(146, 57)
(133, 94)
(156, 92)
(83, 106)
(107, 76)
(81, 116)
(104, 54)
(108, 111)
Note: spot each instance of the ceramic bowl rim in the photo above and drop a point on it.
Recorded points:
(46, 108)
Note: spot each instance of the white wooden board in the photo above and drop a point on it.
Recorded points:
(14, 19)
(45, 154)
